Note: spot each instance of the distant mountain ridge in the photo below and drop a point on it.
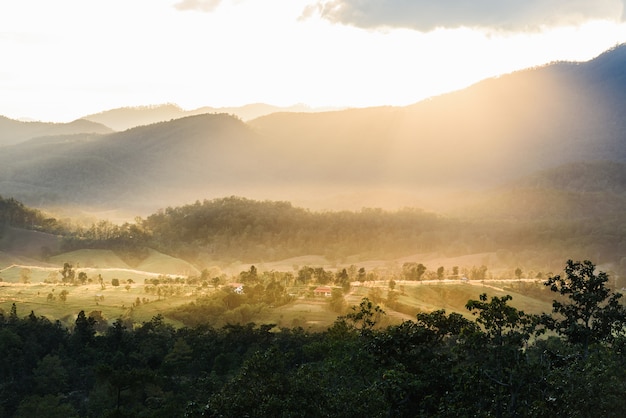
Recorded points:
(487, 135)
(587, 176)
(594, 191)
(14, 131)
(129, 117)
(146, 162)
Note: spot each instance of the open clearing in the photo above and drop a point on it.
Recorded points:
(41, 293)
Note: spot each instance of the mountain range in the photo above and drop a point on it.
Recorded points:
(129, 117)
(536, 129)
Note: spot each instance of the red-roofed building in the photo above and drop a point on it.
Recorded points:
(323, 291)
(237, 287)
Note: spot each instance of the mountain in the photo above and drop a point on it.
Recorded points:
(129, 117)
(496, 130)
(13, 131)
(150, 163)
(591, 192)
(463, 142)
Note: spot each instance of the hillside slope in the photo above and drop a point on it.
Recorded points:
(496, 130)
(13, 131)
(129, 117)
(148, 163)
(493, 132)
(592, 192)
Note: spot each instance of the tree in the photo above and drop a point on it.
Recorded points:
(478, 273)
(342, 279)
(215, 281)
(115, 282)
(50, 376)
(365, 316)
(250, 275)
(305, 274)
(63, 295)
(84, 329)
(337, 302)
(413, 271)
(13, 314)
(440, 272)
(101, 281)
(100, 323)
(68, 273)
(82, 277)
(392, 299)
(593, 314)
(499, 363)
(503, 323)
(445, 326)
(45, 406)
(25, 275)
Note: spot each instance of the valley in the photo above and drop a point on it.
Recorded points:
(312, 208)
(135, 298)
(491, 188)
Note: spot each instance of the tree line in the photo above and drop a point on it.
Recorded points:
(15, 213)
(237, 229)
(496, 361)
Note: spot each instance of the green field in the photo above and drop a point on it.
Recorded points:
(40, 291)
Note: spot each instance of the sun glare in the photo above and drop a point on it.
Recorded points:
(246, 52)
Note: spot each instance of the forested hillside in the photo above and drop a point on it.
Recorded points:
(127, 170)
(239, 229)
(491, 133)
(538, 226)
(14, 132)
(15, 213)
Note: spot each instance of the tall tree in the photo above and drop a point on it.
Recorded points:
(593, 314)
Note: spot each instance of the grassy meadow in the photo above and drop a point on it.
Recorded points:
(39, 288)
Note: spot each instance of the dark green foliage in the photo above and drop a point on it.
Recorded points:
(234, 228)
(441, 365)
(593, 313)
(45, 406)
(14, 213)
(246, 229)
(365, 316)
(502, 323)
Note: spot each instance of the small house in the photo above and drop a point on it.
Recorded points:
(323, 291)
(237, 287)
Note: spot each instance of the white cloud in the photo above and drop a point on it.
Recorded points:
(427, 15)
(199, 5)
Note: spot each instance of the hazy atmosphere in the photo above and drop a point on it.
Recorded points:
(65, 59)
(289, 208)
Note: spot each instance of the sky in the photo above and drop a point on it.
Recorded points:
(64, 59)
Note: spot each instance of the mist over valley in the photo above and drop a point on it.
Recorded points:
(440, 231)
(454, 145)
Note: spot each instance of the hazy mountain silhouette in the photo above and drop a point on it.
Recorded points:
(14, 131)
(129, 117)
(593, 190)
(498, 129)
(150, 162)
(486, 135)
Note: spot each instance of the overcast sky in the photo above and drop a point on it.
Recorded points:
(67, 58)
